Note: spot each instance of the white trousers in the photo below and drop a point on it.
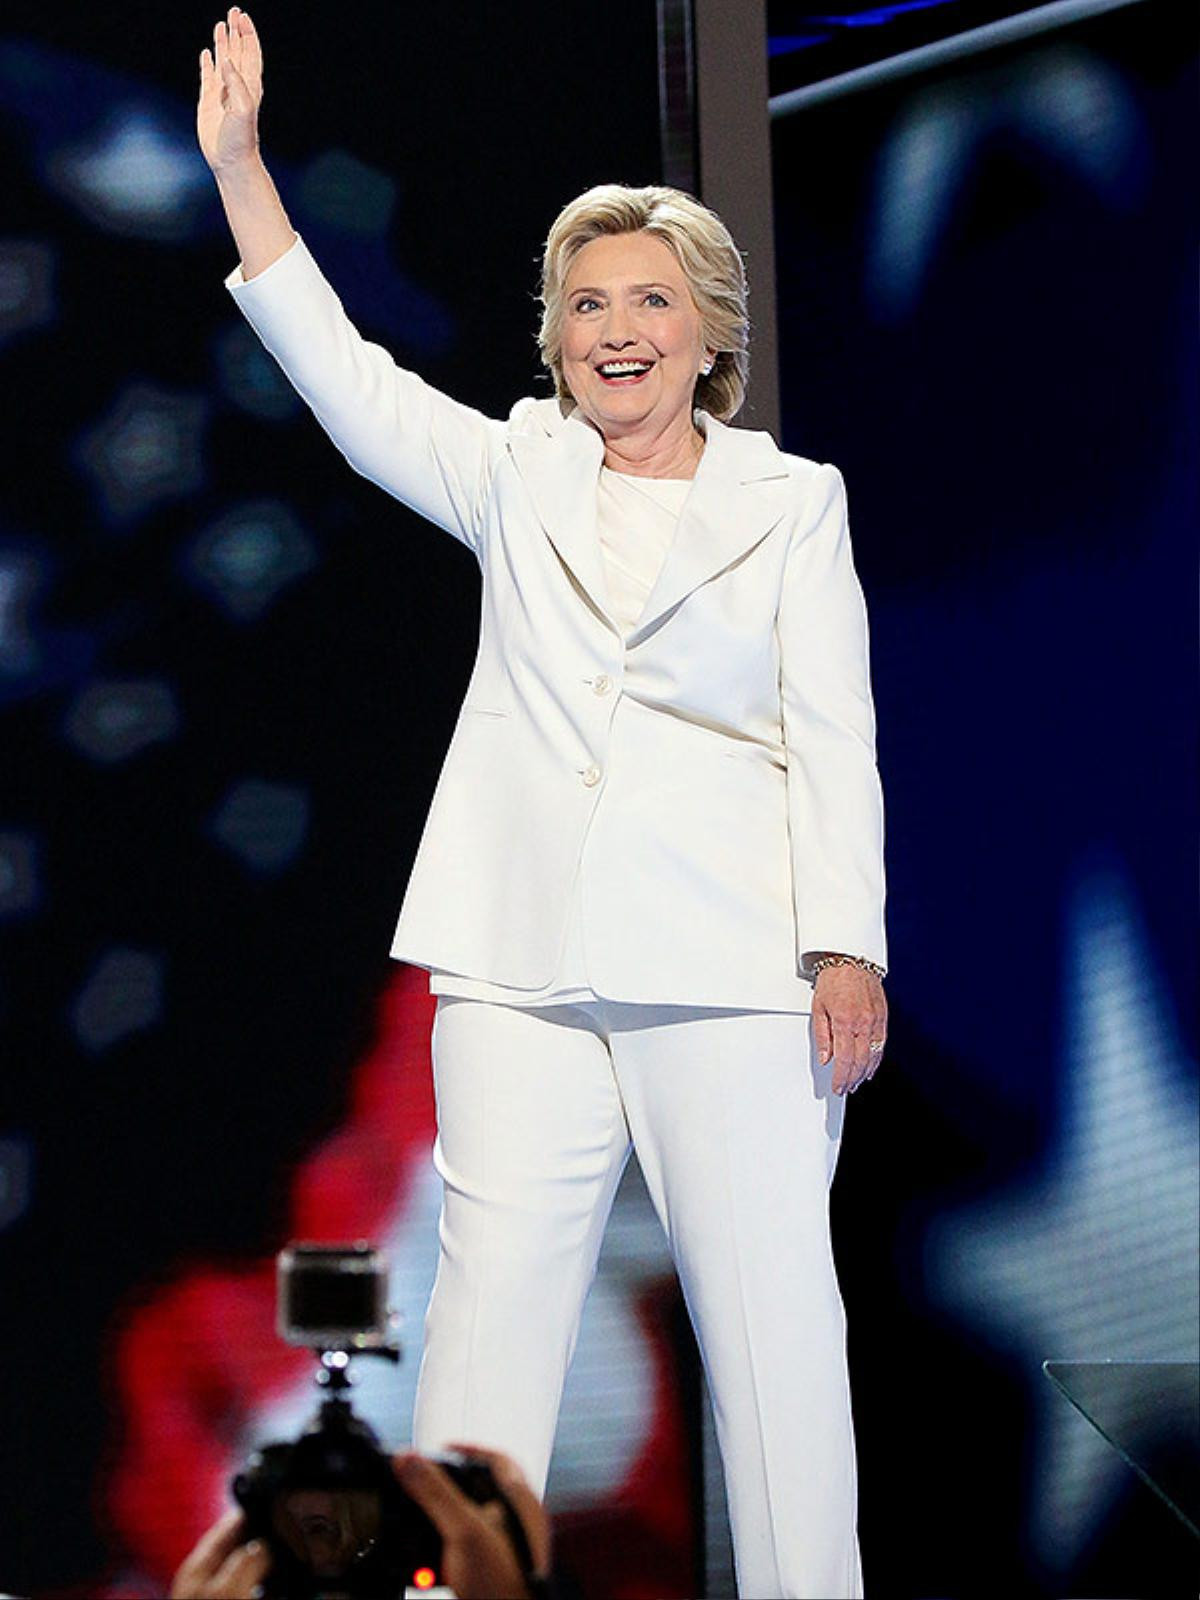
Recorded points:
(737, 1133)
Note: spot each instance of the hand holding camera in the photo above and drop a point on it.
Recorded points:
(478, 1559)
(222, 1566)
(328, 1516)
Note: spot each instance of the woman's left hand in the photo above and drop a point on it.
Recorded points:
(849, 1017)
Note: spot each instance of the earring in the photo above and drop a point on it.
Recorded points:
(706, 370)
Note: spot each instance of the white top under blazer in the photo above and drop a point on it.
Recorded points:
(695, 796)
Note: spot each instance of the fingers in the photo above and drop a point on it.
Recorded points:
(478, 1556)
(211, 82)
(251, 62)
(235, 38)
(221, 1567)
(237, 59)
(877, 1042)
(238, 38)
(227, 49)
(824, 1033)
(837, 1027)
(214, 1546)
(438, 1496)
(208, 77)
(849, 1016)
(242, 1573)
(847, 1066)
(856, 1061)
(515, 1488)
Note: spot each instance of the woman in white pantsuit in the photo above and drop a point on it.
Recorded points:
(650, 890)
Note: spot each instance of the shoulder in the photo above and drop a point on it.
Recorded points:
(814, 485)
(537, 418)
(809, 494)
(755, 450)
(806, 473)
(753, 456)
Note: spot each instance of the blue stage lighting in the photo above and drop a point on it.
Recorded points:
(110, 722)
(146, 451)
(138, 175)
(246, 558)
(26, 287)
(122, 995)
(263, 824)
(20, 884)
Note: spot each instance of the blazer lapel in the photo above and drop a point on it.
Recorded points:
(561, 470)
(734, 502)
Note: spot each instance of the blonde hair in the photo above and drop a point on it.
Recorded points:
(711, 265)
(354, 1513)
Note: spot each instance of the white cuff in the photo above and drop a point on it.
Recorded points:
(235, 280)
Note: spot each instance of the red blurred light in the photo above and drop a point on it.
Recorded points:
(424, 1578)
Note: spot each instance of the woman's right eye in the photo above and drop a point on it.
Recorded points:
(586, 302)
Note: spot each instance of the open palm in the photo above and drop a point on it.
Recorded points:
(230, 92)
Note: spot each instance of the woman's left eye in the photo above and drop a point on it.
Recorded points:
(654, 295)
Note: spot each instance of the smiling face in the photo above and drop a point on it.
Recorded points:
(632, 343)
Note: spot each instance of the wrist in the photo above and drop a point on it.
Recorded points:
(241, 172)
(823, 959)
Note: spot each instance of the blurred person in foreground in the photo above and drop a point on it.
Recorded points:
(478, 1560)
(650, 889)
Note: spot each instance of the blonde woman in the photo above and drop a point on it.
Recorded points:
(650, 890)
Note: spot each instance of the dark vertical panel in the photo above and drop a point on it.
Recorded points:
(677, 94)
(735, 171)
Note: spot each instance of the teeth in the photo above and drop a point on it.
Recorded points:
(621, 369)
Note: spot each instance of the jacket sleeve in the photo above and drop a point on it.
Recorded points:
(432, 453)
(835, 799)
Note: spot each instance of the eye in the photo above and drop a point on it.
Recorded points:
(659, 299)
(585, 302)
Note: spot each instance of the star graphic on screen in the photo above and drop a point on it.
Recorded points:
(1076, 113)
(146, 451)
(1093, 1257)
(139, 175)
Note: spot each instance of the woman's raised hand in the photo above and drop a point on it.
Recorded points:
(230, 93)
(227, 127)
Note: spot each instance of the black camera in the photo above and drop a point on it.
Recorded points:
(327, 1504)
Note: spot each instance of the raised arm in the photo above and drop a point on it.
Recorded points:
(426, 449)
(231, 88)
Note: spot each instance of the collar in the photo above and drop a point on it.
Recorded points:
(737, 497)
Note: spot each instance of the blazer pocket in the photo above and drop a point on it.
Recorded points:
(475, 708)
(754, 755)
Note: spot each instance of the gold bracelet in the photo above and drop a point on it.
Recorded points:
(822, 962)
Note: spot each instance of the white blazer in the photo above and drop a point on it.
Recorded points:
(711, 777)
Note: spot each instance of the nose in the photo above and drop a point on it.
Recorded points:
(617, 331)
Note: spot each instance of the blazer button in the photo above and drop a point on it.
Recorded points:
(591, 776)
(601, 684)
